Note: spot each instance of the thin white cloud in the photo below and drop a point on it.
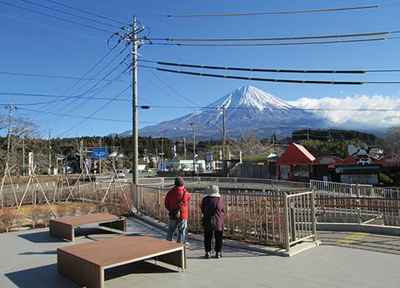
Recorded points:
(339, 109)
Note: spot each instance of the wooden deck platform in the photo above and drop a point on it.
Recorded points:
(85, 263)
(64, 227)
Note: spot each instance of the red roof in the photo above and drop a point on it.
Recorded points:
(392, 160)
(295, 154)
(328, 160)
(350, 160)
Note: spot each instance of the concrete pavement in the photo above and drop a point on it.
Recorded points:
(28, 259)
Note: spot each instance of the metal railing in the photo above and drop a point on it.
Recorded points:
(354, 203)
(273, 218)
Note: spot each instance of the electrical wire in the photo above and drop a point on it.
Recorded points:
(272, 39)
(54, 76)
(55, 17)
(272, 70)
(277, 80)
(74, 116)
(70, 14)
(86, 12)
(273, 13)
(264, 70)
(264, 79)
(95, 112)
(51, 27)
(270, 44)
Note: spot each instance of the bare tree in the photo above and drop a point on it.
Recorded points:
(248, 146)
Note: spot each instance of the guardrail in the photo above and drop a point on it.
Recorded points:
(270, 218)
(354, 203)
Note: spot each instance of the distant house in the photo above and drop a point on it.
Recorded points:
(295, 164)
(257, 166)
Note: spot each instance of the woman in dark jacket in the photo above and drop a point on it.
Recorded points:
(212, 204)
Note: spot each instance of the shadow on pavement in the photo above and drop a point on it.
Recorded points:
(141, 267)
(41, 237)
(40, 277)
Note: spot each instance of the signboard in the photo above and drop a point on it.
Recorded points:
(99, 153)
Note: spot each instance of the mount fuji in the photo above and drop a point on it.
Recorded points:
(247, 110)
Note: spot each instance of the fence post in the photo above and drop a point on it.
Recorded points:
(286, 218)
(159, 204)
(358, 204)
(313, 218)
(292, 218)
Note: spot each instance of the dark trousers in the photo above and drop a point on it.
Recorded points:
(208, 237)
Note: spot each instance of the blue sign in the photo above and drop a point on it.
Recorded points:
(99, 153)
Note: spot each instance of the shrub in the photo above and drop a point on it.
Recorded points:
(85, 208)
(62, 210)
(7, 217)
(35, 213)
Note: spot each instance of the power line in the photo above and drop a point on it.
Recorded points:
(74, 116)
(279, 109)
(51, 27)
(70, 14)
(55, 17)
(272, 70)
(263, 70)
(270, 44)
(86, 12)
(271, 39)
(272, 13)
(263, 79)
(275, 80)
(55, 76)
(95, 112)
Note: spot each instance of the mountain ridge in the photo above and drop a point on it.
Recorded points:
(247, 110)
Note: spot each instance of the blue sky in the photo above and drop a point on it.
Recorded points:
(45, 43)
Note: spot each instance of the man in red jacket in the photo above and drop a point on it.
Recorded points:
(177, 199)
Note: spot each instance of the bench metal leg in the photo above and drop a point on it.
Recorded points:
(118, 225)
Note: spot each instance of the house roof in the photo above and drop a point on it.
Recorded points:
(295, 154)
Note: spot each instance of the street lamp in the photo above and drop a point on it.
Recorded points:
(223, 131)
(194, 147)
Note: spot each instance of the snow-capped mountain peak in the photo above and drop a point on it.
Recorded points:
(246, 108)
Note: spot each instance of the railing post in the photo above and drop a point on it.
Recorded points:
(358, 204)
(292, 219)
(286, 218)
(313, 218)
(159, 204)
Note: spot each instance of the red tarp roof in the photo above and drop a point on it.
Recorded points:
(295, 154)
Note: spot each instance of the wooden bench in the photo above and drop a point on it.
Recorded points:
(85, 263)
(64, 227)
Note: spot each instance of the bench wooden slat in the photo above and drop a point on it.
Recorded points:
(110, 251)
(85, 263)
(87, 219)
(64, 227)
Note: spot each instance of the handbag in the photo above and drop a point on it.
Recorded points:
(176, 214)
(210, 222)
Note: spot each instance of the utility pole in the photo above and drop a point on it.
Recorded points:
(162, 153)
(81, 155)
(23, 156)
(193, 124)
(10, 108)
(100, 157)
(184, 147)
(49, 154)
(135, 162)
(223, 134)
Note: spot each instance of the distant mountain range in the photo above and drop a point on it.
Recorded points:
(247, 110)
